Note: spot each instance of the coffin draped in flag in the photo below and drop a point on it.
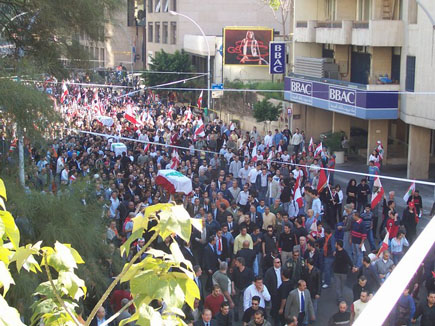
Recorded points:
(105, 121)
(174, 181)
(378, 192)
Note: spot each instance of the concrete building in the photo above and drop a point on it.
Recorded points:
(170, 33)
(350, 58)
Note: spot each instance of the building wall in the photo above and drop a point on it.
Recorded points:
(310, 10)
(419, 109)
(380, 63)
(346, 9)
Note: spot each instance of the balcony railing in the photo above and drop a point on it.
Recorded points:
(360, 25)
(330, 24)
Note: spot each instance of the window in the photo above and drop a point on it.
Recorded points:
(157, 8)
(331, 9)
(165, 33)
(364, 7)
(410, 74)
(157, 33)
(174, 5)
(166, 6)
(131, 21)
(150, 32)
(173, 32)
(150, 6)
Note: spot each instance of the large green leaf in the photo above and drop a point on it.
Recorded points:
(3, 190)
(72, 285)
(9, 316)
(5, 278)
(24, 257)
(125, 248)
(61, 258)
(11, 229)
(4, 255)
(176, 220)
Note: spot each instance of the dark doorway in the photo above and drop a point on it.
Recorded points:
(360, 68)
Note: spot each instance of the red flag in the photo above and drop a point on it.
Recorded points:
(130, 115)
(200, 100)
(323, 180)
(318, 150)
(378, 192)
(311, 145)
(64, 93)
(147, 147)
(175, 160)
(384, 245)
(297, 192)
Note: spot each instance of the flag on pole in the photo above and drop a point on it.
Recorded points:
(64, 92)
(129, 115)
(323, 180)
(380, 150)
(311, 145)
(409, 192)
(384, 245)
(254, 154)
(378, 192)
(297, 192)
(318, 150)
(199, 131)
(146, 148)
(200, 100)
(175, 160)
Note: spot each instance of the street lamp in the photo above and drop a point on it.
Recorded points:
(174, 13)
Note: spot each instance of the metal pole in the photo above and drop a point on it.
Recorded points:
(174, 13)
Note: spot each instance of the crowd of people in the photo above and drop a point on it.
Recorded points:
(275, 236)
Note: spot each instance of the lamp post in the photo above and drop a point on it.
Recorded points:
(174, 13)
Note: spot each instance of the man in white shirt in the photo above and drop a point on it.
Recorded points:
(297, 139)
(243, 174)
(317, 204)
(268, 139)
(257, 288)
(242, 198)
(235, 166)
(252, 175)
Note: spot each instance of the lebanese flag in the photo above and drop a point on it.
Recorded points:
(378, 194)
(232, 126)
(254, 154)
(199, 131)
(79, 97)
(64, 92)
(318, 150)
(323, 180)
(188, 114)
(129, 115)
(199, 102)
(297, 192)
(311, 145)
(384, 245)
(147, 147)
(409, 192)
(380, 150)
(175, 160)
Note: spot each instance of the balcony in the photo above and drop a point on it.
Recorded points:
(386, 33)
(305, 31)
(337, 32)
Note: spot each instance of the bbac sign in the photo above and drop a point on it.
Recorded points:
(277, 57)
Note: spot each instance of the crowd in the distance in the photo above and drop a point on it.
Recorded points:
(274, 236)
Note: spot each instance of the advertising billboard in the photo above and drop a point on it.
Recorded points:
(247, 46)
(277, 58)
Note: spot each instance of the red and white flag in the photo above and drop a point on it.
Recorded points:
(130, 115)
(380, 150)
(254, 154)
(79, 97)
(378, 192)
(409, 192)
(384, 245)
(318, 150)
(199, 102)
(199, 131)
(297, 191)
(311, 145)
(323, 180)
(147, 148)
(175, 160)
(232, 126)
(64, 92)
(188, 114)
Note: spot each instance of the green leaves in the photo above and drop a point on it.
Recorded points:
(62, 257)
(266, 111)
(24, 257)
(10, 229)
(9, 316)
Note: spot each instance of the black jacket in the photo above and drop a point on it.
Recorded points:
(210, 259)
(313, 280)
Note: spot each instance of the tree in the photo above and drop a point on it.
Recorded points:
(282, 10)
(159, 276)
(40, 33)
(266, 111)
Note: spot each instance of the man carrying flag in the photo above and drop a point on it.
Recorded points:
(175, 161)
(199, 131)
(409, 192)
(384, 245)
(297, 191)
(311, 145)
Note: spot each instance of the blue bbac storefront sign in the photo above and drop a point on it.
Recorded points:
(360, 103)
(277, 58)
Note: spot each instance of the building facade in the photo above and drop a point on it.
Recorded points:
(359, 67)
(172, 32)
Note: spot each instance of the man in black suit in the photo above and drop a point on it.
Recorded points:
(255, 216)
(272, 280)
(247, 254)
(222, 246)
(210, 261)
(205, 319)
(188, 253)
